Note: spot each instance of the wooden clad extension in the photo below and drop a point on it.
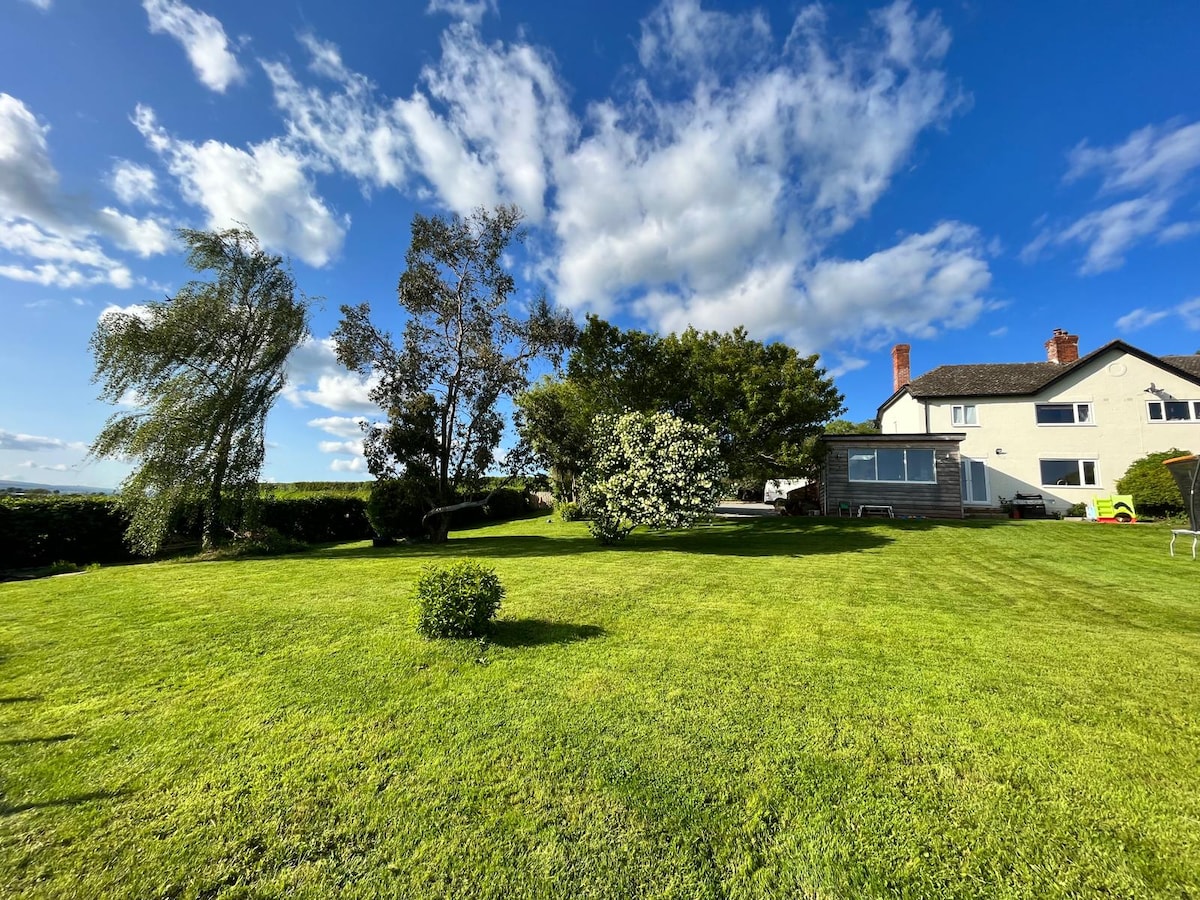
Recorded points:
(942, 500)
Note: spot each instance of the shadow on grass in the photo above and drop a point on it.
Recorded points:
(11, 810)
(32, 698)
(535, 632)
(759, 537)
(52, 739)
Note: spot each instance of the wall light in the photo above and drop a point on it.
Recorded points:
(999, 451)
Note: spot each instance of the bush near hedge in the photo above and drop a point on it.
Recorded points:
(457, 601)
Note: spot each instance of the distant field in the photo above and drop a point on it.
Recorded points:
(775, 708)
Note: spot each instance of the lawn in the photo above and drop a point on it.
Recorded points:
(777, 708)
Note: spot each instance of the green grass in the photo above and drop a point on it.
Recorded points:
(780, 708)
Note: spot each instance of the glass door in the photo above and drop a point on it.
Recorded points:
(974, 481)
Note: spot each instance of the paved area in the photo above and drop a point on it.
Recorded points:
(736, 509)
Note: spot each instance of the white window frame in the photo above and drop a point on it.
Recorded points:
(987, 481)
(1075, 405)
(877, 480)
(958, 415)
(1079, 467)
(1193, 408)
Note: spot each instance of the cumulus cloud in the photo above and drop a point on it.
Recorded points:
(1154, 164)
(202, 37)
(314, 376)
(267, 187)
(712, 205)
(349, 465)
(32, 443)
(52, 237)
(133, 183)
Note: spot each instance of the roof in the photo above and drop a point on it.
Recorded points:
(950, 437)
(1024, 379)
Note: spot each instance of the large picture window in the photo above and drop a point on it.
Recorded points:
(1067, 472)
(1064, 413)
(914, 465)
(1174, 410)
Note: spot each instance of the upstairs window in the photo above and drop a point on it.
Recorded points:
(966, 414)
(914, 465)
(1174, 410)
(1064, 413)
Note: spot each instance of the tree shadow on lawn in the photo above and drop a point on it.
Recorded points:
(536, 632)
(767, 536)
(51, 739)
(11, 810)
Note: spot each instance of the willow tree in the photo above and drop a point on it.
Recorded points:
(199, 372)
(465, 346)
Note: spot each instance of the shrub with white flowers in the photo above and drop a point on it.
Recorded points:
(649, 469)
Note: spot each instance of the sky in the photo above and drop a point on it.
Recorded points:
(961, 176)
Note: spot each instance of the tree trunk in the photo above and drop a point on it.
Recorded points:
(212, 506)
(439, 528)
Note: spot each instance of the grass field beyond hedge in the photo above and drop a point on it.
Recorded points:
(776, 708)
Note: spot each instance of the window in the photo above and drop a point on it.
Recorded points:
(1077, 472)
(965, 415)
(1174, 410)
(1064, 414)
(892, 465)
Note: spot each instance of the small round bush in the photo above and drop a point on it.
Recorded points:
(459, 600)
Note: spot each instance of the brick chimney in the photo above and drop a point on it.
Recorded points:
(901, 371)
(1062, 348)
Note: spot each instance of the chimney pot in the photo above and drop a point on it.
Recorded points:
(901, 370)
(1062, 348)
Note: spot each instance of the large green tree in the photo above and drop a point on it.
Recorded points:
(764, 402)
(1152, 485)
(464, 347)
(201, 370)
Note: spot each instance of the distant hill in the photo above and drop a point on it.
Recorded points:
(61, 488)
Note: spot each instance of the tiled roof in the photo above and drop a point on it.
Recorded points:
(1189, 364)
(1009, 379)
(987, 379)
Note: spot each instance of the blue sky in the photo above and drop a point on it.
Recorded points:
(965, 177)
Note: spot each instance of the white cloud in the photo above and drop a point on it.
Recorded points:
(1154, 163)
(43, 5)
(33, 443)
(700, 197)
(54, 237)
(266, 187)
(203, 38)
(471, 11)
(1189, 311)
(1154, 156)
(340, 426)
(314, 376)
(351, 448)
(349, 465)
(139, 310)
(58, 467)
(133, 183)
(1140, 318)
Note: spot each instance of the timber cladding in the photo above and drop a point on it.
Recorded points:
(940, 500)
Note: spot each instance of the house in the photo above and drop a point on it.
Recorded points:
(1066, 428)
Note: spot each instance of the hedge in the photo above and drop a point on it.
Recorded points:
(82, 530)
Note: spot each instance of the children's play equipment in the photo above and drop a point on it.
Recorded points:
(1186, 470)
